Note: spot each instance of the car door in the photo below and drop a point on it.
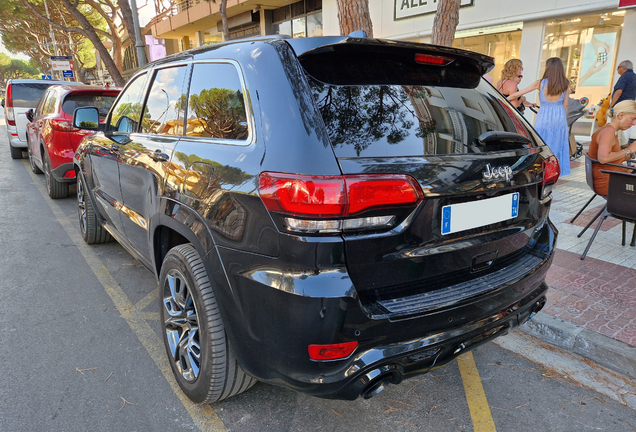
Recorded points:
(35, 128)
(146, 158)
(104, 153)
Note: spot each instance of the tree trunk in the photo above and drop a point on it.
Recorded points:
(353, 15)
(223, 12)
(446, 20)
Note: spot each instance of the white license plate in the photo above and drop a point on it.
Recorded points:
(475, 214)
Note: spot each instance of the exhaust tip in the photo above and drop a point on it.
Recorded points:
(374, 389)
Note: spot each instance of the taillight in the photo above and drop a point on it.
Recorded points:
(332, 351)
(62, 126)
(433, 59)
(551, 172)
(317, 198)
(8, 103)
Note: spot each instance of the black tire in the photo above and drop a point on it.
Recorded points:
(193, 333)
(92, 231)
(54, 188)
(16, 153)
(34, 167)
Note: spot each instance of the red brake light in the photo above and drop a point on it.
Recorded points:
(62, 126)
(8, 103)
(332, 351)
(335, 196)
(551, 170)
(433, 59)
(303, 194)
(365, 192)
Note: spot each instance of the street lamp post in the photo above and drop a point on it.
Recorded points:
(139, 45)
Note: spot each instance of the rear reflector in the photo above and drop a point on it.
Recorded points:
(332, 351)
(336, 196)
(551, 172)
(69, 174)
(433, 59)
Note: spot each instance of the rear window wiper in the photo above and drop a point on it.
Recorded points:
(500, 140)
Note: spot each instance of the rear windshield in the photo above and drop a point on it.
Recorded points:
(27, 95)
(389, 115)
(101, 101)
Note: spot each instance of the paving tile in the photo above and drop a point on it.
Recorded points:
(598, 293)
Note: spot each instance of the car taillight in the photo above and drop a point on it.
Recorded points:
(62, 126)
(332, 351)
(316, 198)
(551, 172)
(8, 103)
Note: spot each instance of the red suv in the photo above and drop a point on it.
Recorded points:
(51, 138)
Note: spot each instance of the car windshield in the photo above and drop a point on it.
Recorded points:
(101, 101)
(27, 95)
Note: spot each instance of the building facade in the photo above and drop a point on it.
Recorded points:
(590, 36)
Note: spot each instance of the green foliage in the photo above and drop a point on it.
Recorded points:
(18, 69)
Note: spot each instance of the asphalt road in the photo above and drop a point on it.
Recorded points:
(82, 351)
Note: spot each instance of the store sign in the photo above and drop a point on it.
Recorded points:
(411, 8)
(61, 63)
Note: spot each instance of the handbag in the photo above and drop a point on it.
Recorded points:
(601, 114)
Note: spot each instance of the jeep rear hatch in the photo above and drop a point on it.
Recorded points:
(401, 109)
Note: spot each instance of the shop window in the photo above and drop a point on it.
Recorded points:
(587, 46)
(501, 46)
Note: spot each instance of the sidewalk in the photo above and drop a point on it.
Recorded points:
(591, 306)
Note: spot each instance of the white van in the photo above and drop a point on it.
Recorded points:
(20, 96)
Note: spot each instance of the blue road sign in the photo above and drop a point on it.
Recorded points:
(46, 77)
(67, 74)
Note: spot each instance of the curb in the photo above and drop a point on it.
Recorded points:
(603, 350)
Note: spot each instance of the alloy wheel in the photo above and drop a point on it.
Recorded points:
(182, 326)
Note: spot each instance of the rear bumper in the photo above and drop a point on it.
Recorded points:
(273, 313)
(58, 173)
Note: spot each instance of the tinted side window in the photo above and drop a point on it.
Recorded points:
(40, 107)
(49, 103)
(216, 106)
(164, 109)
(127, 112)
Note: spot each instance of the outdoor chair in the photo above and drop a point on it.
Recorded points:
(590, 182)
(621, 202)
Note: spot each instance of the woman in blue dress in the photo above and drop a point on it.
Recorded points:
(551, 122)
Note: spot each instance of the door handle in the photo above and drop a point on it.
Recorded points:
(158, 156)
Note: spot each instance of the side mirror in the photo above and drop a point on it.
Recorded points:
(29, 114)
(2, 103)
(86, 118)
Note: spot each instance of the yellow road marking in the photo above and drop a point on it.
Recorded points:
(475, 396)
(203, 415)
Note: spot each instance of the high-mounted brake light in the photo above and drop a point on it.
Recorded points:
(433, 59)
(551, 172)
(332, 351)
(8, 103)
(320, 197)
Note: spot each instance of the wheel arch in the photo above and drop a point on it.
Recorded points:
(177, 226)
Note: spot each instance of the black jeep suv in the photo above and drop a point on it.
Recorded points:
(327, 214)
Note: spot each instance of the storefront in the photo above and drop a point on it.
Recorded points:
(591, 37)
